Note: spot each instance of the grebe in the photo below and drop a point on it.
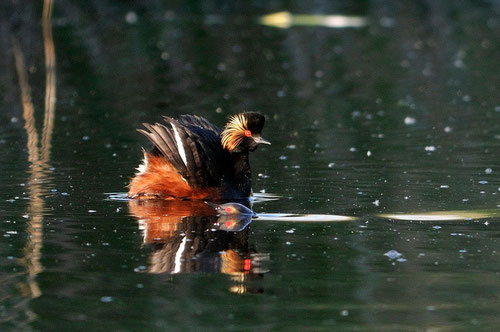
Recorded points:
(194, 159)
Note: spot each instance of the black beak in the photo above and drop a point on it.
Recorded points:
(260, 140)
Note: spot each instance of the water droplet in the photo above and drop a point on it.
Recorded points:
(221, 67)
(140, 268)
(131, 17)
(410, 121)
(165, 56)
(393, 254)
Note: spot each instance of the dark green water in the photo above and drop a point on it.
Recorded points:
(399, 116)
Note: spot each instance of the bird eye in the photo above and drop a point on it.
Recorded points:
(248, 133)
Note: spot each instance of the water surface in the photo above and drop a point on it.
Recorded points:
(378, 198)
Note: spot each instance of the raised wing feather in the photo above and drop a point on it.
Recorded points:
(189, 120)
(200, 159)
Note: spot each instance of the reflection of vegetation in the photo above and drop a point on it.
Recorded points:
(38, 158)
(32, 251)
(27, 103)
(50, 80)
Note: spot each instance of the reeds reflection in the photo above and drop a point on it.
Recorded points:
(50, 80)
(33, 247)
(38, 155)
(187, 237)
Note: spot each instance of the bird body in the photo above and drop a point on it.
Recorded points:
(194, 159)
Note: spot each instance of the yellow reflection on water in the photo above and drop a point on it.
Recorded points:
(286, 20)
(443, 215)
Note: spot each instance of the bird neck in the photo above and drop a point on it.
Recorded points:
(242, 176)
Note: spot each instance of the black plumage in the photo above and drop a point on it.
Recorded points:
(202, 149)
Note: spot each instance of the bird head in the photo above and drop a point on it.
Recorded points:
(243, 132)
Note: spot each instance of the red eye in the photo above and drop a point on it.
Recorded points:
(248, 133)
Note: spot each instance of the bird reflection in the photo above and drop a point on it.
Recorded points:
(194, 236)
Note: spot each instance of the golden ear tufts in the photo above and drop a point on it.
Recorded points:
(234, 132)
